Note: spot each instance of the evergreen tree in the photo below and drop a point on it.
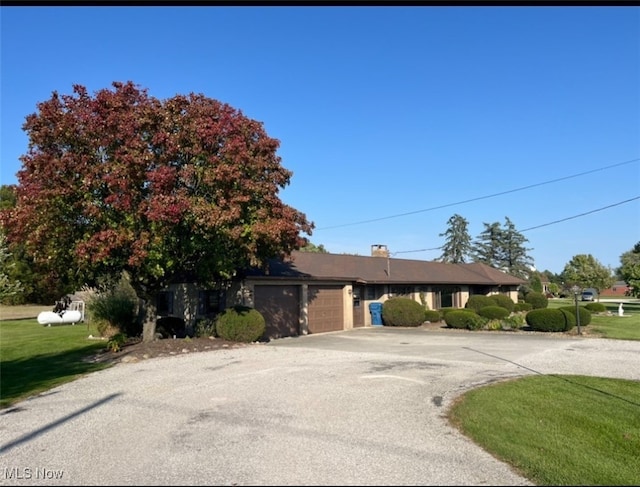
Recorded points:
(458, 242)
(503, 248)
(536, 283)
(487, 248)
(515, 259)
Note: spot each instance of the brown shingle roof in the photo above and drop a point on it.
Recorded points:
(356, 268)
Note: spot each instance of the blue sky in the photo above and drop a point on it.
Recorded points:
(392, 119)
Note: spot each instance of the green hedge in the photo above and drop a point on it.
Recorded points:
(478, 301)
(494, 312)
(465, 319)
(522, 307)
(536, 300)
(503, 301)
(550, 319)
(585, 314)
(432, 316)
(402, 312)
(596, 307)
(240, 324)
(444, 311)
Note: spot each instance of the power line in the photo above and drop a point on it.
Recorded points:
(542, 225)
(581, 214)
(482, 197)
(421, 250)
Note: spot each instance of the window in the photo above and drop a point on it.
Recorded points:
(164, 303)
(210, 301)
(404, 291)
(484, 290)
(446, 297)
(371, 293)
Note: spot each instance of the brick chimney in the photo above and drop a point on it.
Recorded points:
(378, 250)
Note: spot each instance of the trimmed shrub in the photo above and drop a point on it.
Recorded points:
(522, 307)
(444, 311)
(170, 326)
(479, 301)
(503, 301)
(432, 316)
(570, 320)
(595, 308)
(402, 312)
(536, 300)
(241, 324)
(585, 314)
(494, 312)
(550, 319)
(464, 319)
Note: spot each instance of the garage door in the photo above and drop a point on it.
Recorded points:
(326, 311)
(280, 307)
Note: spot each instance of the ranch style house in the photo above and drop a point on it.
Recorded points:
(321, 292)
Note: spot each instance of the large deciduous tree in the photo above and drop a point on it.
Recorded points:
(122, 182)
(37, 287)
(584, 270)
(629, 270)
(457, 240)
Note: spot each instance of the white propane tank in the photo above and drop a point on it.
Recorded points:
(51, 318)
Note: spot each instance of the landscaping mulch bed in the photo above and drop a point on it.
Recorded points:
(136, 350)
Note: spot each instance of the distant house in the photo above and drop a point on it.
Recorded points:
(619, 289)
(322, 292)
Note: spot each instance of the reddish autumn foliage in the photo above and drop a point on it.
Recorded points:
(122, 181)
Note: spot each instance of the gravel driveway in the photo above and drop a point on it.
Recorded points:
(359, 407)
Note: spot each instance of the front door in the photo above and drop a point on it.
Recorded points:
(358, 306)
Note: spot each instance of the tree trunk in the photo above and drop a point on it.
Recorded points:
(148, 316)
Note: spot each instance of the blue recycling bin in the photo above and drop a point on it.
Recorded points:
(376, 313)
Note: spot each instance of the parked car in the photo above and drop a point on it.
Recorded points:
(587, 296)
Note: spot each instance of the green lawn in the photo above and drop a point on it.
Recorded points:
(35, 358)
(611, 325)
(555, 429)
(560, 429)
